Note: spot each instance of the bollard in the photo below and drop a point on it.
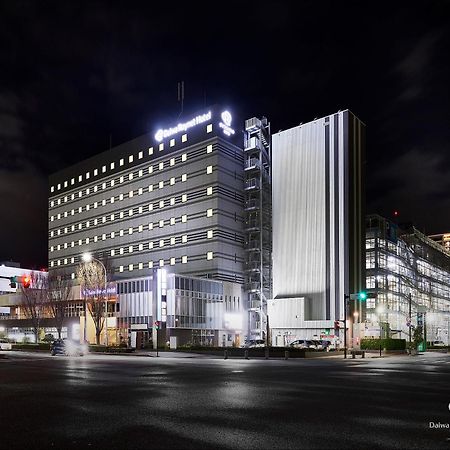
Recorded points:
(286, 354)
(266, 353)
(246, 354)
(225, 356)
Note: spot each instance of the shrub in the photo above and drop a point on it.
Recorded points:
(388, 344)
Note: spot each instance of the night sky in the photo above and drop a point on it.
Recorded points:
(73, 73)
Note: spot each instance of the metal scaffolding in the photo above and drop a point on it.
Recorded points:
(258, 224)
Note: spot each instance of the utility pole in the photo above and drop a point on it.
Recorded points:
(346, 299)
(410, 318)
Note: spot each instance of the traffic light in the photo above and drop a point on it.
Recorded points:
(362, 296)
(26, 281)
(156, 324)
(337, 325)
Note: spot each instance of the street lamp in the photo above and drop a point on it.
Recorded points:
(380, 310)
(87, 258)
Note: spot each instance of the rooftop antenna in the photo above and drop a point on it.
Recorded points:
(181, 95)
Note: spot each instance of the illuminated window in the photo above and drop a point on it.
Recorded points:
(172, 161)
(95, 205)
(65, 183)
(121, 179)
(58, 247)
(65, 213)
(161, 223)
(112, 183)
(72, 197)
(184, 259)
(72, 244)
(59, 201)
(209, 191)
(104, 202)
(141, 209)
(209, 169)
(141, 155)
(150, 206)
(113, 235)
(95, 172)
(95, 238)
(87, 207)
(184, 157)
(103, 169)
(172, 142)
(140, 191)
(209, 148)
(150, 245)
(112, 165)
(121, 197)
(121, 233)
(172, 241)
(172, 181)
(72, 227)
(121, 215)
(184, 138)
(87, 224)
(103, 185)
(88, 175)
(120, 268)
(209, 255)
(141, 247)
(172, 221)
(52, 203)
(95, 221)
(121, 250)
(161, 165)
(141, 228)
(112, 199)
(121, 162)
(52, 219)
(52, 264)
(161, 203)
(172, 201)
(51, 233)
(150, 226)
(130, 176)
(52, 189)
(80, 226)
(80, 241)
(172, 261)
(130, 159)
(141, 266)
(161, 243)
(150, 188)
(184, 177)
(130, 249)
(80, 178)
(130, 267)
(59, 186)
(209, 235)
(65, 244)
(103, 237)
(209, 212)
(150, 151)
(184, 238)
(161, 147)
(87, 241)
(103, 219)
(209, 128)
(184, 218)
(113, 252)
(161, 263)
(161, 184)
(130, 230)
(130, 194)
(140, 173)
(184, 198)
(150, 264)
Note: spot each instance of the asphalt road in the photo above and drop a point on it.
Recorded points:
(127, 402)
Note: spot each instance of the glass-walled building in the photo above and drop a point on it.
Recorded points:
(410, 273)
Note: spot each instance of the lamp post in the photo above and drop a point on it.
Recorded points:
(380, 310)
(87, 258)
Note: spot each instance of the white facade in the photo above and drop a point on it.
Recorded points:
(317, 221)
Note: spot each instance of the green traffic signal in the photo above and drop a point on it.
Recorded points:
(362, 295)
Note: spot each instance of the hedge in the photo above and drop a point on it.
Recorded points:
(40, 346)
(388, 344)
(111, 349)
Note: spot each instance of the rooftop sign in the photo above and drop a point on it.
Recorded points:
(165, 133)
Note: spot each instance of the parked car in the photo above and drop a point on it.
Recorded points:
(438, 344)
(327, 345)
(303, 343)
(254, 343)
(68, 347)
(318, 344)
(5, 344)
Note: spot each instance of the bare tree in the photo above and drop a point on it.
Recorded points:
(34, 299)
(94, 286)
(58, 297)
